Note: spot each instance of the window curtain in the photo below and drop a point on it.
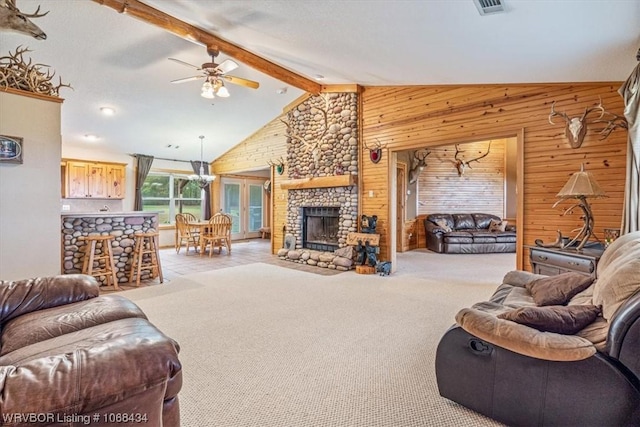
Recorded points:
(143, 166)
(630, 92)
(195, 165)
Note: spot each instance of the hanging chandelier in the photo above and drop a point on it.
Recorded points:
(202, 179)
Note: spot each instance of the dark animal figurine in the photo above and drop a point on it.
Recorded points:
(371, 254)
(366, 253)
(368, 224)
(360, 253)
(383, 268)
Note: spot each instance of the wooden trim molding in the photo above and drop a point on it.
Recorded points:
(32, 94)
(187, 31)
(319, 182)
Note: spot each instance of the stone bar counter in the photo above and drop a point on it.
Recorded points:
(121, 225)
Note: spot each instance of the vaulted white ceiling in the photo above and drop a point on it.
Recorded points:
(115, 60)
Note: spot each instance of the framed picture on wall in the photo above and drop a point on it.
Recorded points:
(10, 149)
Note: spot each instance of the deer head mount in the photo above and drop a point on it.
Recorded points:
(418, 163)
(278, 165)
(462, 165)
(11, 19)
(576, 127)
(375, 152)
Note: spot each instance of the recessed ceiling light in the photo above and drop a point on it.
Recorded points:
(318, 77)
(90, 137)
(107, 111)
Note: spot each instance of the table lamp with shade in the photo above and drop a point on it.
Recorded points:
(581, 185)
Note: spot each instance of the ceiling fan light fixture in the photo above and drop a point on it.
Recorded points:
(222, 92)
(207, 90)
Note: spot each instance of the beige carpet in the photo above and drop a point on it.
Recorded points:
(263, 345)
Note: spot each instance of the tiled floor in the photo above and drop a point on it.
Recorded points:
(243, 252)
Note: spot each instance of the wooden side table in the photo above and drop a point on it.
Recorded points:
(554, 261)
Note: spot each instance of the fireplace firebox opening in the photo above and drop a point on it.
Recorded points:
(320, 228)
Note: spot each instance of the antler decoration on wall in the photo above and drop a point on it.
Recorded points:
(375, 152)
(16, 73)
(576, 127)
(418, 163)
(312, 147)
(278, 164)
(462, 165)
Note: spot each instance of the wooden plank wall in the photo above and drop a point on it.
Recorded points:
(428, 116)
(267, 144)
(479, 189)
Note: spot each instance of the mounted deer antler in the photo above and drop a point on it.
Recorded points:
(278, 164)
(461, 165)
(576, 127)
(375, 153)
(418, 163)
(312, 147)
(11, 19)
(17, 73)
(614, 123)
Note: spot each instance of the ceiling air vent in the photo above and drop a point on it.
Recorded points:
(487, 7)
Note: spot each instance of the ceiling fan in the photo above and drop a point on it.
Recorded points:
(215, 76)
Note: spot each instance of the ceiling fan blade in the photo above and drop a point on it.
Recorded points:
(241, 82)
(226, 66)
(187, 79)
(184, 63)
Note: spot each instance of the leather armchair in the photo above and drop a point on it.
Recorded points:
(67, 352)
(524, 377)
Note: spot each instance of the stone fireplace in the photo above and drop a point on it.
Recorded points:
(322, 169)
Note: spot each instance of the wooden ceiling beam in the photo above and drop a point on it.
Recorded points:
(187, 31)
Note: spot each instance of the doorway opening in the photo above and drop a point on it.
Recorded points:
(491, 185)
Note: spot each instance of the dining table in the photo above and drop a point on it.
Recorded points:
(200, 227)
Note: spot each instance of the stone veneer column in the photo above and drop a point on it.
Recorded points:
(121, 227)
(319, 148)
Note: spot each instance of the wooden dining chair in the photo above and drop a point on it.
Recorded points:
(185, 233)
(218, 233)
(189, 216)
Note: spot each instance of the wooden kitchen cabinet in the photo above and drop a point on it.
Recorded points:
(115, 181)
(94, 180)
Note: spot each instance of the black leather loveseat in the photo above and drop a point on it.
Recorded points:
(468, 233)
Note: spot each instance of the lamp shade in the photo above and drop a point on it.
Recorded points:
(581, 184)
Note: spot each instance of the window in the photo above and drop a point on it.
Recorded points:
(170, 194)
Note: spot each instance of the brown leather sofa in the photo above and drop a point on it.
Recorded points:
(523, 376)
(467, 233)
(71, 357)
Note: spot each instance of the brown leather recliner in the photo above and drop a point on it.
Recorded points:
(68, 356)
(523, 376)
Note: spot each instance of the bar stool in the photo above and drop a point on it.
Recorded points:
(108, 269)
(146, 256)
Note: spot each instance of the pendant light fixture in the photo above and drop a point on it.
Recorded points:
(202, 179)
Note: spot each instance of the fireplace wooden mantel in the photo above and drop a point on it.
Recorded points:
(319, 182)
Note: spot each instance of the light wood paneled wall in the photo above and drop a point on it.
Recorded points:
(480, 189)
(267, 144)
(429, 116)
